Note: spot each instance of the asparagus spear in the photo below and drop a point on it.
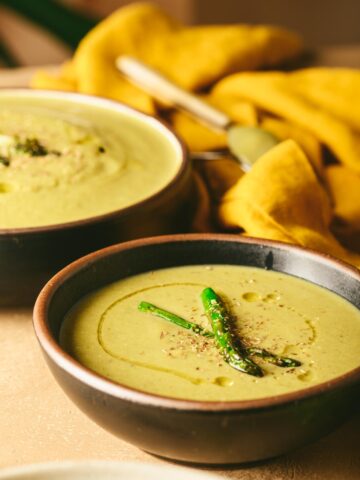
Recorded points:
(220, 320)
(269, 357)
(284, 362)
(171, 317)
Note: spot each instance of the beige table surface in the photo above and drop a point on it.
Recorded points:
(38, 423)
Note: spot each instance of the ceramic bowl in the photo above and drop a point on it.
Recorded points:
(198, 431)
(30, 256)
(101, 470)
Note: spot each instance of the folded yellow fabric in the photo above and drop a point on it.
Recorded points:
(193, 57)
(280, 94)
(336, 90)
(291, 205)
(292, 194)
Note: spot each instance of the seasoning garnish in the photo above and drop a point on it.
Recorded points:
(31, 146)
(101, 149)
(235, 354)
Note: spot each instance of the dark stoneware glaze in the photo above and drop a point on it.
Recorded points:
(30, 256)
(192, 431)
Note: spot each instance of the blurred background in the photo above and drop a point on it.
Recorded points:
(43, 32)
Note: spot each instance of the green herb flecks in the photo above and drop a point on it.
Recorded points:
(31, 146)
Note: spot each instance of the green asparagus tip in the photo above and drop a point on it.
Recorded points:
(208, 295)
(146, 307)
(277, 360)
(220, 320)
(253, 369)
(287, 362)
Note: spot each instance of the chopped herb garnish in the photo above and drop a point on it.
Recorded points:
(4, 161)
(32, 147)
(101, 149)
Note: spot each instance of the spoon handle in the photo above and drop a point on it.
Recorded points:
(163, 89)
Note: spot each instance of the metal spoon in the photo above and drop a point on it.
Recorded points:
(246, 144)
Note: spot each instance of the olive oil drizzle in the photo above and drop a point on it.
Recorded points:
(102, 343)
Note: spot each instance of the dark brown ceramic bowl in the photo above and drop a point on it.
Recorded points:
(194, 431)
(30, 256)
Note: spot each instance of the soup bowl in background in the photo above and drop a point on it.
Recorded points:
(31, 254)
(210, 432)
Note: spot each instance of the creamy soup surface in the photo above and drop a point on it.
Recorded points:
(61, 162)
(107, 333)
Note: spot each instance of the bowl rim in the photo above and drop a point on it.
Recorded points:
(120, 391)
(96, 100)
(105, 466)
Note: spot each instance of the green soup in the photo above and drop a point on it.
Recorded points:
(288, 316)
(62, 160)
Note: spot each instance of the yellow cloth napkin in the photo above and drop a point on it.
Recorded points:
(193, 57)
(287, 96)
(306, 190)
(291, 205)
(318, 108)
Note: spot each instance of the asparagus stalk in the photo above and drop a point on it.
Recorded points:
(171, 317)
(220, 320)
(269, 357)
